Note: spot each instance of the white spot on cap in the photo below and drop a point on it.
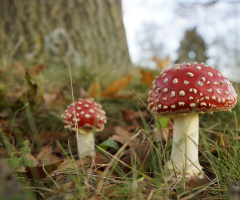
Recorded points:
(175, 81)
(219, 100)
(87, 116)
(208, 82)
(194, 91)
(181, 103)
(173, 94)
(79, 102)
(215, 83)
(177, 68)
(203, 104)
(76, 120)
(213, 97)
(190, 74)
(222, 82)
(186, 82)
(159, 106)
(219, 91)
(154, 86)
(190, 90)
(209, 90)
(192, 105)
(165, 80)
(201, 94)
(173, 106)
(207, 97)
(164, 74)
(86, 105)
(203, 79)
(78, 108)
(219, 74)
(91, 111)
(165, 90)
(149, 92)
(200, 83)
(210, 74)
(226, 92)
(223, 100)
(182, 93)
(165, 107)
(198, 68)
(158, 90)
(164, 98)
(82, 112)
(190, 98)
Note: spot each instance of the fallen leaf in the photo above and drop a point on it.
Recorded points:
(51, 136)
(114, 87)
(134, 116)
(40, 173)
(138, 154)
(49, 98)
(161, 63)
(30, 157)
(70, 164)
(122, 136)
(46, 155)
(94, 90)
(147, 78)
(36, 69)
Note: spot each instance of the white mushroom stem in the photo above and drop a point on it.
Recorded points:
(184, 155)
(86, 144)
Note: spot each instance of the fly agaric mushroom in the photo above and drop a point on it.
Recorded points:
(85, 116)
(183, 92)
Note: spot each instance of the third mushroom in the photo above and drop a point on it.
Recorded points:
(183, 92)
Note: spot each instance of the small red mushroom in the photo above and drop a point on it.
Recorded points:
(183, 92)
(85, 116)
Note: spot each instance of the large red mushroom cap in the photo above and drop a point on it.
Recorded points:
(84, 115)
(191, 87)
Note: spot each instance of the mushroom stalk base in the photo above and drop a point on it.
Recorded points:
(184, 155)
(86, 145)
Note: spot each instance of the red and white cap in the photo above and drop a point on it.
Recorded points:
(84, 116)
(191, 87)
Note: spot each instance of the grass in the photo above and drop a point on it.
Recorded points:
(219, 141)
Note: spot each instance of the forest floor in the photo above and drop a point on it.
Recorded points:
(131, 150)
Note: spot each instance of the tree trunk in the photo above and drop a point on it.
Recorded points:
(81, 32)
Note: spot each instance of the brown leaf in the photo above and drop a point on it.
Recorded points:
(50, 136)
(69, 164)
(138, 154)
(94, 90)
(134, 116)
(35, 70)
(161, 63)
(39, 173)
(114, 87)
(46, 155)
(122, 136)
(147, 78)
(54, 98)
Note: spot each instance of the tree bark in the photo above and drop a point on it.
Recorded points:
(82, 32)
